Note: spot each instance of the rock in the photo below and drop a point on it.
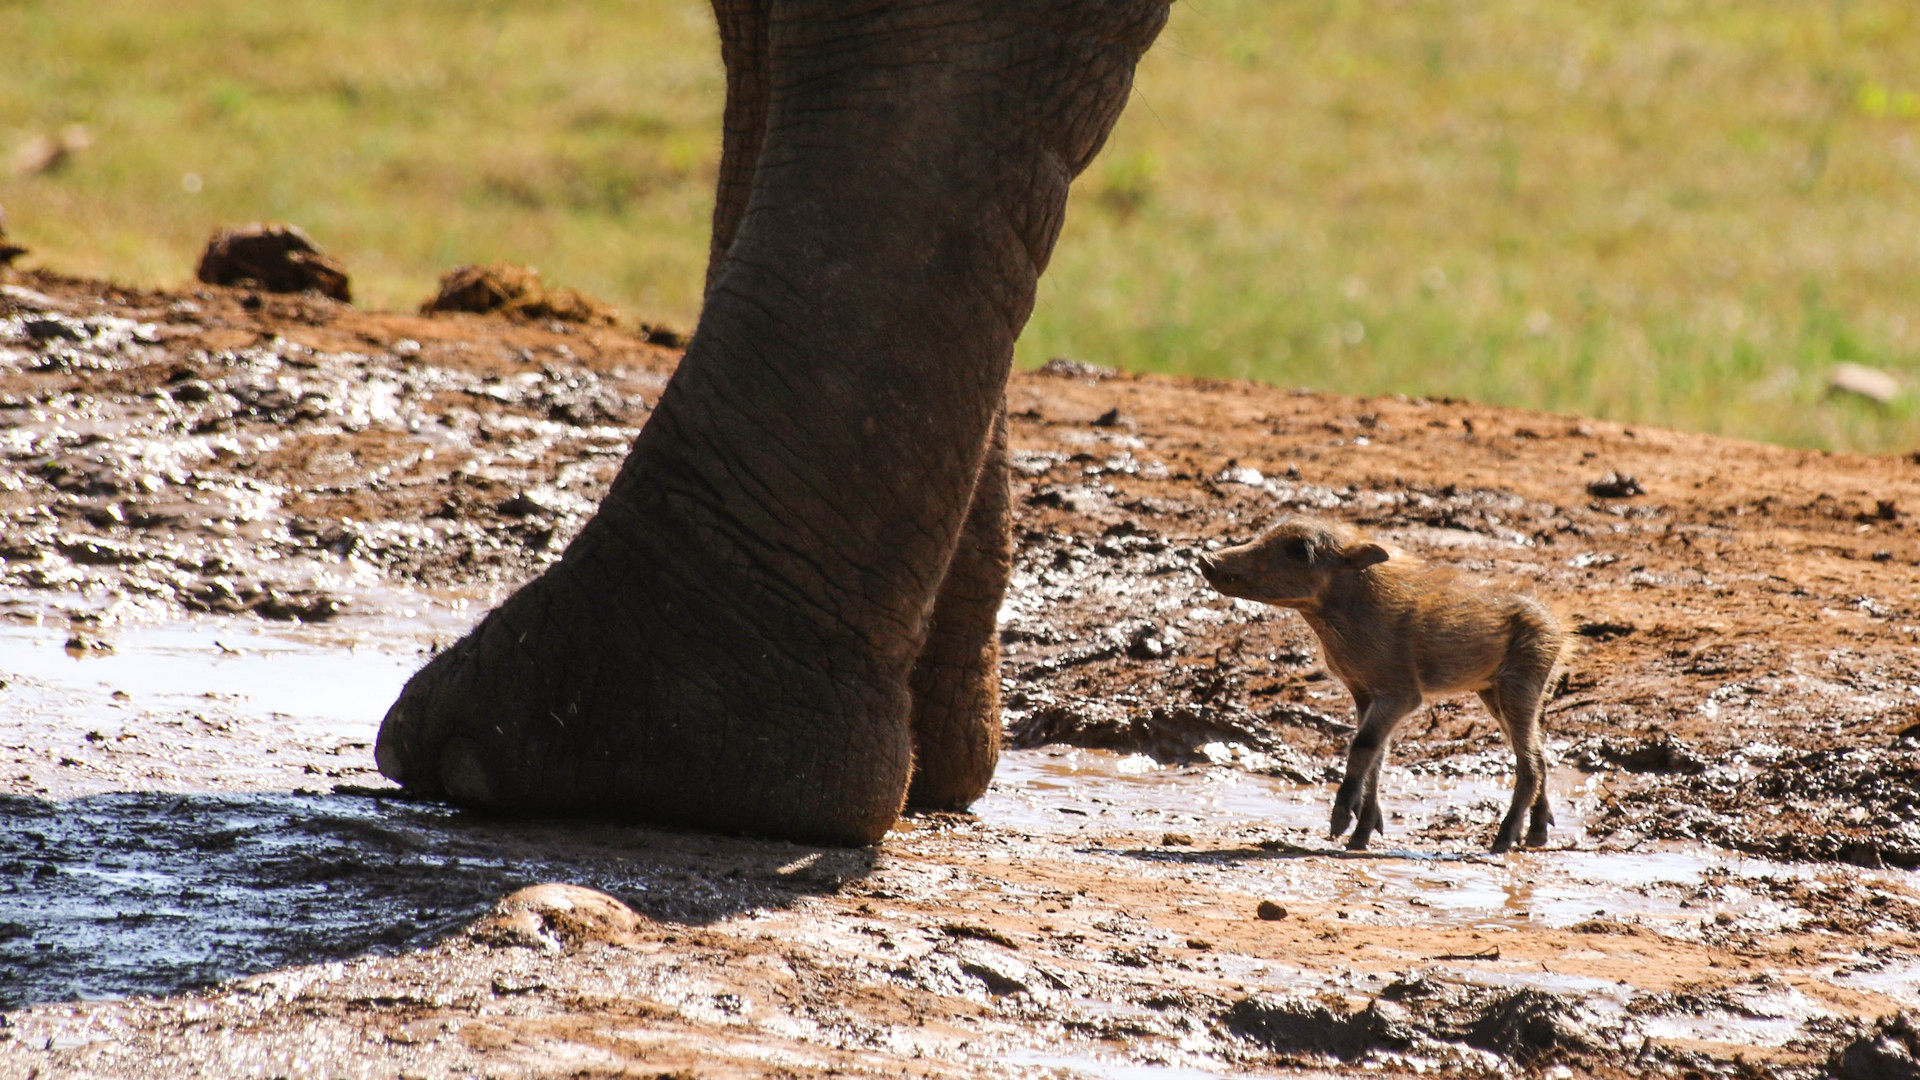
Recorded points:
(1268, 911)
(273, 256)
(556, 917)
(1615, 486)
(79, 644)
(299, 605)
(1148, 643)
(1861, 381)
(502, 288)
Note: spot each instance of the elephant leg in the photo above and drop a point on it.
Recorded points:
(744, 27)
(956, 680)
(730, 641)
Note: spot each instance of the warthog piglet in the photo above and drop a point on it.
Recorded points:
(1398, 631)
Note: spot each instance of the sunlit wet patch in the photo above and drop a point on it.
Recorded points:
(193, 801)
(1677, 891)
(1896, 977)
(1739, 1028)
(207, 704)
(171, 819)
(1069, 789)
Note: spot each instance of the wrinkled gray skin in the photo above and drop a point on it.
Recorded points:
(783, 611)
(1396, 632)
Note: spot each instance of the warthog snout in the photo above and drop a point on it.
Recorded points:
(1210, 567)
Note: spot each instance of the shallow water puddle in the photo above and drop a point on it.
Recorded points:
(207, 704)
(326, 690)
(1093, 791)
(170, 816)
(1052, 790)
(200, 804)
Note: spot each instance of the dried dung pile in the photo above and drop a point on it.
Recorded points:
(273, 256)
(517, 292)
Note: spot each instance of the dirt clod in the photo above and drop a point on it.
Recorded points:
(1661, 754)
(1294, 1028)
(1890, 1050)
(273, 256)
(1532, 1027)
(660, 334)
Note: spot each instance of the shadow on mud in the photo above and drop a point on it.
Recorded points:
(154, 892)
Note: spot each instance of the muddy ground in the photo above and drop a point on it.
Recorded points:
(231, 522)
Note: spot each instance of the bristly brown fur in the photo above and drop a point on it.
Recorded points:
(1397, 631)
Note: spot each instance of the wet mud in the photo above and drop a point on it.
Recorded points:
(232, 522)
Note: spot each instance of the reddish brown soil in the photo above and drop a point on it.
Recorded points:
(1746, 680)
(1757, 605)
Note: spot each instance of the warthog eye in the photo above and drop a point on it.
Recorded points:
(1295, 549)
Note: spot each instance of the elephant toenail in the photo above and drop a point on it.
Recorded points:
(386, 756)
(462, 776)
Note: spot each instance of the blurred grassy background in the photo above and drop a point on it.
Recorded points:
(1682, 212)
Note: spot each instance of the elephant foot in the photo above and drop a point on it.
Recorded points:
(956, 680)
(956, 733)
(620, 709)
(731, 643)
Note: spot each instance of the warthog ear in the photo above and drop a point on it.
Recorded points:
(1362, 556)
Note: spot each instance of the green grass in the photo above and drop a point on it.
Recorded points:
(1679, 212)
(407, 136)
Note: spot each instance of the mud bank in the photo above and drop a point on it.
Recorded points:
(233, 523)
